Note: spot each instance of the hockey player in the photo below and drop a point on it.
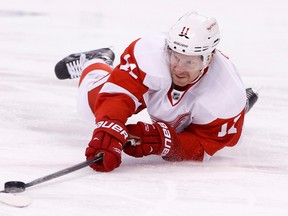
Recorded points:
(192, 92)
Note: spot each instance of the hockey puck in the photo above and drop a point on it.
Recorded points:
(14, 187)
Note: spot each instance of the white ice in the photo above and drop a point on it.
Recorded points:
(41, 132)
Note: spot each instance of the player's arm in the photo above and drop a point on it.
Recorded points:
(119, 98)
(122, 95)
(192, 144)
(198, 140)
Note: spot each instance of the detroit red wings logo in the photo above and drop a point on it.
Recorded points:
(184, 32)
(209, 28)
(176, 122)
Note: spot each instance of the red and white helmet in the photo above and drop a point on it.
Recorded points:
(194, 34)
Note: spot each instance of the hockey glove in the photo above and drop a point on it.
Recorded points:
(146, 139)
(108, 138)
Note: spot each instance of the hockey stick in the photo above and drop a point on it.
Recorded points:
(7, 197)
(18, 186)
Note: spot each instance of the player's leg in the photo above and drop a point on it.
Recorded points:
(93, 68)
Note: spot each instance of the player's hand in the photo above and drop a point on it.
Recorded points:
(146, 139)
(108, 138)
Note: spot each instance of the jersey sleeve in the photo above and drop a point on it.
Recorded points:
(197, 140)
(122, 95)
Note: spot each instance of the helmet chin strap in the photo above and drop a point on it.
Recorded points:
(209, 60)
(199, 76)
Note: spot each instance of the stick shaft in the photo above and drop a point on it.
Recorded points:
(65, 171)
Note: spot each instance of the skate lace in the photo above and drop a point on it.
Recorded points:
(74, 68)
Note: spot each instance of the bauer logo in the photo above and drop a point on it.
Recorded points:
(113, 126)
(167, 140)
(180, 44)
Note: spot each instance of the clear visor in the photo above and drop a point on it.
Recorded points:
(185, 62)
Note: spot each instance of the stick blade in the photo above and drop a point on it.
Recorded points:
(15, 200)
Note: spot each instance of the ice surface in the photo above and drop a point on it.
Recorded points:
(41, 132)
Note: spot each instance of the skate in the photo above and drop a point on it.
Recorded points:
(252, 98)
(71, 66)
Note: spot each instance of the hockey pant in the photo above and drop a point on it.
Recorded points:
(94, 74)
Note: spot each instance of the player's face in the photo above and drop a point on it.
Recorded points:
(184, 69)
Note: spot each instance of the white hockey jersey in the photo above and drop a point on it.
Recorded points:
(208, 115)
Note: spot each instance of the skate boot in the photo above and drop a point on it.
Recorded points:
(252, 98)
(71, 66)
